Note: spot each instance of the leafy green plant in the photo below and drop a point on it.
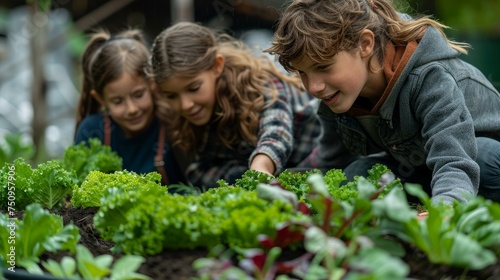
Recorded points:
(13, 146)
(363, 237)
(334, 240)
(335, 179)
(86, 266)
(462, 234)
(226, 215)
(37, 232)
(51, 183)
(94, 157)
(47, 184)
(17, 175)
(145, 223)
(96, 184)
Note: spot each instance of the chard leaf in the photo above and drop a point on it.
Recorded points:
(40, 231)
(93, 270)
(66, 269)
(378, 264)
(365, 188)
(318, 185)
(89, 267)
(494, 209)
(468, 253)
(469, 221)
(487, 235)
(416, 190)
(315, 239)
(394, 206)
(125, 268)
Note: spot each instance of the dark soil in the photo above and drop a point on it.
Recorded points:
(166, 265)
(177, 264)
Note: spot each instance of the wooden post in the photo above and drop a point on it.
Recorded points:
(39, 23)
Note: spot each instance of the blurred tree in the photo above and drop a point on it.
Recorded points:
(38, 24)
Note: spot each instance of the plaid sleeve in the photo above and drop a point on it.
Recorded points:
(275, 138)
(206, 174)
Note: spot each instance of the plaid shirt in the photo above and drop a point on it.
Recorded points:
(288, 132)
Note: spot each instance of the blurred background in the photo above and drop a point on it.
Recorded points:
(41, 43)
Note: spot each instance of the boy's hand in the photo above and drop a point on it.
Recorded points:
(422, 215)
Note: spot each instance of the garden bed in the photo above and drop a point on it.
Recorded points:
(177, 264)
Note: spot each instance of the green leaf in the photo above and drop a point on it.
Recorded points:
(468, 253)
(394, 205)
(51, 183)
(125, 268)
(365, 188)
(40, 231)
(69, 266)
(103, 260)
(416, 190)
(315, 239)
(318, 185)
(54, 268)
(93, 270)
(31, 265)
(378, 264)
(470, 221)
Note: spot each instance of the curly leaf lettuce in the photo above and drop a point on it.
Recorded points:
(95, 157)
(97, 183)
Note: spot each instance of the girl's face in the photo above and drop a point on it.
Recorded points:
(193, 97)
(129, 102)
(338, 82)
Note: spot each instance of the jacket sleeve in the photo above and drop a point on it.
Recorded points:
(331, 151)
(448, 131)
(206, 173)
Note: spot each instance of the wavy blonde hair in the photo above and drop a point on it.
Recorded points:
(321, 29)
(187, 49)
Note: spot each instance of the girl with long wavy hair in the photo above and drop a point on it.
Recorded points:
(228, 110)
(394, 90)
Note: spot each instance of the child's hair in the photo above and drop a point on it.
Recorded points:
(105, 59)
(186, 49)
(320, 29)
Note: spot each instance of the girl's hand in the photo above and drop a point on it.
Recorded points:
(263, 163)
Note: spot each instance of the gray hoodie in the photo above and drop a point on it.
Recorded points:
(437, 107)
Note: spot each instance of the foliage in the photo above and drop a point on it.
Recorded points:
(19, 173)
(13, 146)
(94, 157)
(335, 179)
(361, 238)
(97, 183)
(458, 234)
(472, 17)
(47, 184)
(51, 183)
(86, 266)
(37, 232)
(334, 241)
(148, 222)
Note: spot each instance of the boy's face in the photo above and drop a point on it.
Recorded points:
(129, 102)
(337, 82)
